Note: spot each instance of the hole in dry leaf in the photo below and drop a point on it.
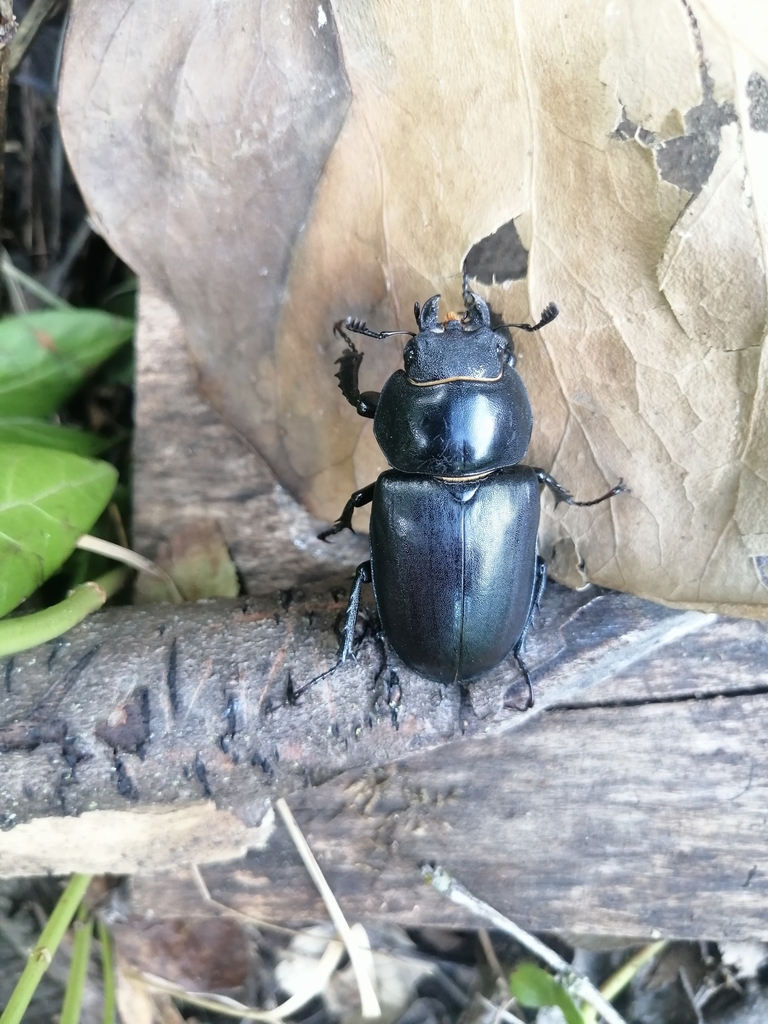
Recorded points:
(498, 257)
(757, 94)
(627, 129)
(761, 568)
(689, 159)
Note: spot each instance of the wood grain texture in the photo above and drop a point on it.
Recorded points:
(622, 821)
(167, 703)
(189, 464)
(631, 798)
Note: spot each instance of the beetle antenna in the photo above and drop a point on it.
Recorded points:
(359, 327)
(416, 311)
(466, 294)
(547, 316)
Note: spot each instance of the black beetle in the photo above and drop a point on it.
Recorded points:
(454, 561)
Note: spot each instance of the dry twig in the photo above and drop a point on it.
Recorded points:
(368, 1000)
(577, 984)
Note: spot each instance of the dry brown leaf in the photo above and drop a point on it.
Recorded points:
(627, 142)
(206, 954)
(134, 1002)
(198, 562)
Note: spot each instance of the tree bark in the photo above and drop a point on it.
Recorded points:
(153, 736)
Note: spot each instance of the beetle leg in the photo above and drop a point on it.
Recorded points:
(539, 587)
(548, 314)
(539, 584)
(358, 326)
(527, 676)
(349, 369)
(344, 522)
(561, 494)
(362, 575)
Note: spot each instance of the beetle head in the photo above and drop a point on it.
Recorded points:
(460, 347)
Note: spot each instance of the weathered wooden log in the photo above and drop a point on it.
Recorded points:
(156, 705)
(642, 820)
(630, 798)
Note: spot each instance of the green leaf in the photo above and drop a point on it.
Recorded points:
(197, 561)
(45, 356)
(119, 368)
(26, 430)
(534, 987)
(122, 300)
(47, 500)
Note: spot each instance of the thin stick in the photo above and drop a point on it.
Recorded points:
(621, 978)
(502, 1012)
(691, 994)
(56, 166)
(577, 984)
(33, 21)
(54, 279)
(314, 985)
(316, 982)
(7, 33)
(15, 294)
(37, 628)
(15, 278)
(237, 915)
(490, 954)
(221, 1004)
(368, 1000)
(128, 557)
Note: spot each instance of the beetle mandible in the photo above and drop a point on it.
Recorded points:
(453, 535)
